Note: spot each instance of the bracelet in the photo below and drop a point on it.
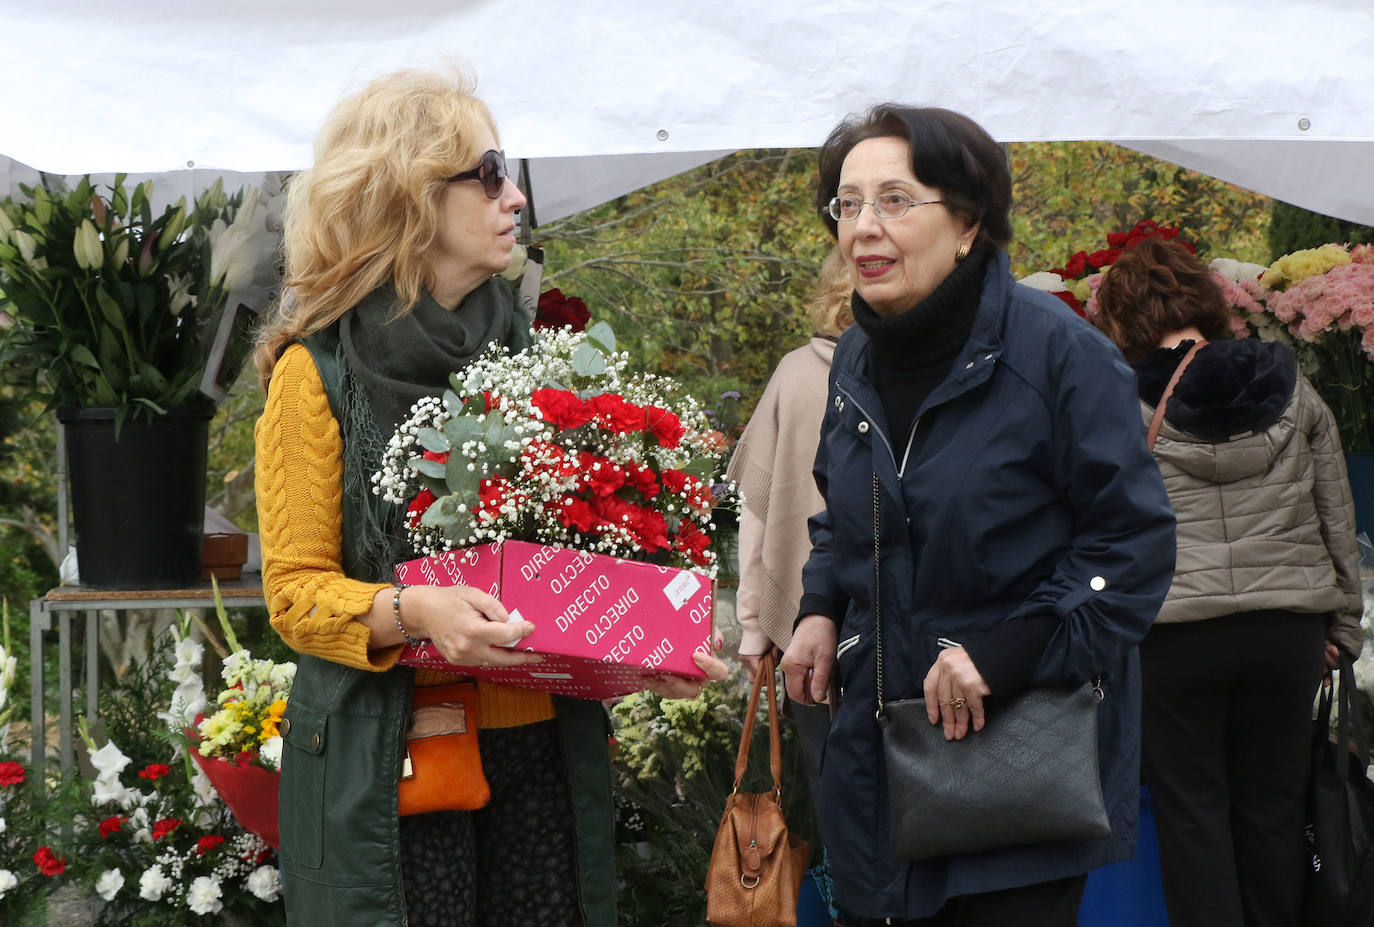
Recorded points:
(396, 610)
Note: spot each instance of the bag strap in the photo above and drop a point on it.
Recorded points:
(764, 678)
(1158, 419)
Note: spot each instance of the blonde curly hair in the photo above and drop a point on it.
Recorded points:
(830, 307)
(368, 210)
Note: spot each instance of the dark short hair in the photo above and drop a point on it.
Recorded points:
(1154, 288)
(949, 151)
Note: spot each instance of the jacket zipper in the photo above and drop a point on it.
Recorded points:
(892, 455)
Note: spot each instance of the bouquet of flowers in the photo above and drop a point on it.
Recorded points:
(1321, 302)
(559, 444)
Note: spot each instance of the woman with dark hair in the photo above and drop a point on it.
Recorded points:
(1266, 581)
(989, 498)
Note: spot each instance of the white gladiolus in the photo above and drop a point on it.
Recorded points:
(108, 761)
(265, 883)
(203, 897)
(107, 791)
(153, 883)
(7, 882)
(109, 884)
(189, 651)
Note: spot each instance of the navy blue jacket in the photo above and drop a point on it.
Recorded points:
(1024, 489)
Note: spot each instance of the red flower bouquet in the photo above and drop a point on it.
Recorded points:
(558, 445)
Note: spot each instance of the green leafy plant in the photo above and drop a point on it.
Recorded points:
(104, 305)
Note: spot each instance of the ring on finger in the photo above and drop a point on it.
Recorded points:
(956, 703)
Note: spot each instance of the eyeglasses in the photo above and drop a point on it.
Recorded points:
(491, 171)
(885, 206)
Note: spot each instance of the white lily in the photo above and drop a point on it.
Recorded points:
(234, 247)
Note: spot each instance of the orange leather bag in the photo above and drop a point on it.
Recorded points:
(756, 865)
(442, 770)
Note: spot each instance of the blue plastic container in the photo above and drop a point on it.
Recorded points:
(1128, 894)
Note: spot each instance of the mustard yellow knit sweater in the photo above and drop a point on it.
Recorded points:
(313, 605)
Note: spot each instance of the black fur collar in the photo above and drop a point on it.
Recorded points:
(1232, 387)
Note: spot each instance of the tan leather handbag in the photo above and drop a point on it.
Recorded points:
(756, 865)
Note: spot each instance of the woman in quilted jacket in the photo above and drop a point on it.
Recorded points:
(1266, 587)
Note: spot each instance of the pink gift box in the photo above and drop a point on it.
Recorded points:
(601, 623)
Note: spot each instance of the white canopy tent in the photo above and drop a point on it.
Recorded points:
(606, 97)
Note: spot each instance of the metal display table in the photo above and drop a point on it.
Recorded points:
(66, 601)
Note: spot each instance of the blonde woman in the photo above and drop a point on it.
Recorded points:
(392, 240)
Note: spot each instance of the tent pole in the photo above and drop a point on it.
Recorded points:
(527, 214)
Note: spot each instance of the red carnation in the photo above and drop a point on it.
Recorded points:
(1078, 263)
(675, 481)
(612, 510)
(649, 527)
(556, 311)
(440, 456)
(110, 825)
(664, 425)
(11, 773)
(643, 480)
(164, 827)
(576, 513)
(422, 501)
(1116, 239)
(602, 477)
(693, 542)
(154, 771)
(615, 414)
(48, 862)
(561, 408)
(207, 843)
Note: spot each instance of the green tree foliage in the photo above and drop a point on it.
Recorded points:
(1293, 228)
(1068, 195)
(704, 275)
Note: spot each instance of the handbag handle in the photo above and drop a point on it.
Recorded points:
(764, 678)
(1158, 420)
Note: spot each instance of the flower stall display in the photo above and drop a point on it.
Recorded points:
(108, 306)
(1321, 302)
(132, 327)
(558, 465)
(143, 841)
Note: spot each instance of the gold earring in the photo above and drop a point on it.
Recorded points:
(962, 253)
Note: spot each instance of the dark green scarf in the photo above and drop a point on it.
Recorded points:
(386, 363)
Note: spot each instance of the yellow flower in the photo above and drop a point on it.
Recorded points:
(273, 719)
(1292, 268)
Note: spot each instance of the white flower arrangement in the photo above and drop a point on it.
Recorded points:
(558, 444)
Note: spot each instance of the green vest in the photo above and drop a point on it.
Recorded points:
(340, 831)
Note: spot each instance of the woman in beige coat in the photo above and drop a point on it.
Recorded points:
(772, 465)
(1266, 585)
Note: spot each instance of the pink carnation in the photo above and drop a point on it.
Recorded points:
(1340, 299)
(1362, 254)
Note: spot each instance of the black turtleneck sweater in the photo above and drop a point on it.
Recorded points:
(912, 353)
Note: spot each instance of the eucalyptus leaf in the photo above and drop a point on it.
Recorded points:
(460, 479)
(587, 361)
(601, 335)
(428, 467)
(433, 440)
(461, 429)
(452, 403)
